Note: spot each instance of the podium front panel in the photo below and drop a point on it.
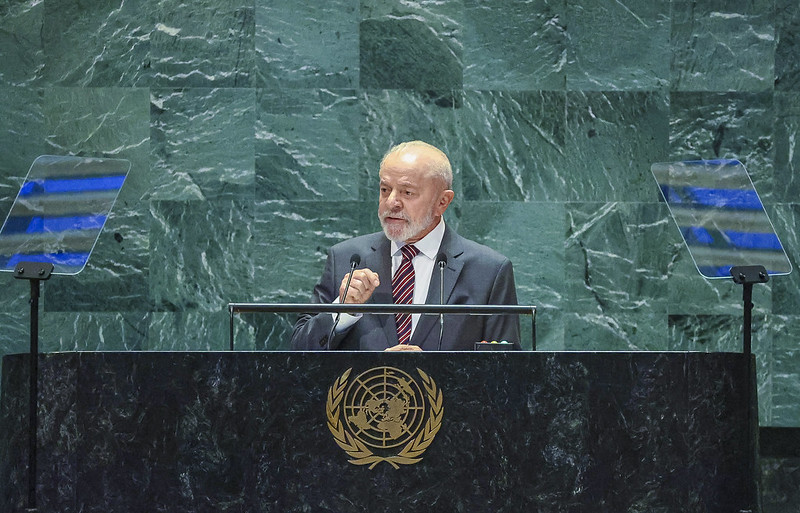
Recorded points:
(353, 432)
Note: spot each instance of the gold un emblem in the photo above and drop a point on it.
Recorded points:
(384, 415)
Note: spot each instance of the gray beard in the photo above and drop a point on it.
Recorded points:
(410, 231)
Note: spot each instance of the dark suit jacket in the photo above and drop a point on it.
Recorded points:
(475, 274)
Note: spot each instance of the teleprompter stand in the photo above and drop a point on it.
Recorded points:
(747, 276)
(51, 229)
(35, 273)
(728, 234)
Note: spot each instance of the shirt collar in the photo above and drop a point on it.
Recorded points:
(429, 244)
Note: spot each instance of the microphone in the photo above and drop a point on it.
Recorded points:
(355, 259)
(441, 263)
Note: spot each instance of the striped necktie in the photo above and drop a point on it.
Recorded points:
(403, 291)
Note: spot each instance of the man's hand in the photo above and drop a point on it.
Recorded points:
(362, 286)
(403, 347)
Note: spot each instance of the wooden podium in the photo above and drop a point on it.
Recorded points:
(354, 432)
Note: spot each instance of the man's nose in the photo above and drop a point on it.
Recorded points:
(393, 201)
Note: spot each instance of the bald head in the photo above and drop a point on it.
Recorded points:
(430, 158)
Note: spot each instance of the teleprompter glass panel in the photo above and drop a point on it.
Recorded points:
(720, 216)
(60, 211)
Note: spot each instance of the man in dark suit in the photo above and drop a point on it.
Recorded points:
(398, 263)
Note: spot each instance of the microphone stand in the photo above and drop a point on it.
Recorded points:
(441, 260)
(354, 261)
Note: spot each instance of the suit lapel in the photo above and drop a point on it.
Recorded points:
(452, 248)
(380, 261)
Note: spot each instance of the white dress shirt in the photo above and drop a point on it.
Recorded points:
(423, 263)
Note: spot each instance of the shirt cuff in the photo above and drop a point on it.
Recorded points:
(345, 319)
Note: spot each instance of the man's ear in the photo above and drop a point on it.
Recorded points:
(445, 198)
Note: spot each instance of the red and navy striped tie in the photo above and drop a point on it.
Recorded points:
(403, 291)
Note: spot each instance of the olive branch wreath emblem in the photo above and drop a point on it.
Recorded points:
(360, 453)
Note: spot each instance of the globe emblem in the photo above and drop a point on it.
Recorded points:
(384, 407)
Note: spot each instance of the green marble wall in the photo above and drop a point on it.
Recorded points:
(255, 130)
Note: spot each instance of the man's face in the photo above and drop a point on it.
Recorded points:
(411, 202)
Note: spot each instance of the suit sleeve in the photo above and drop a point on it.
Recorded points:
(503, 292)
(311, 331)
